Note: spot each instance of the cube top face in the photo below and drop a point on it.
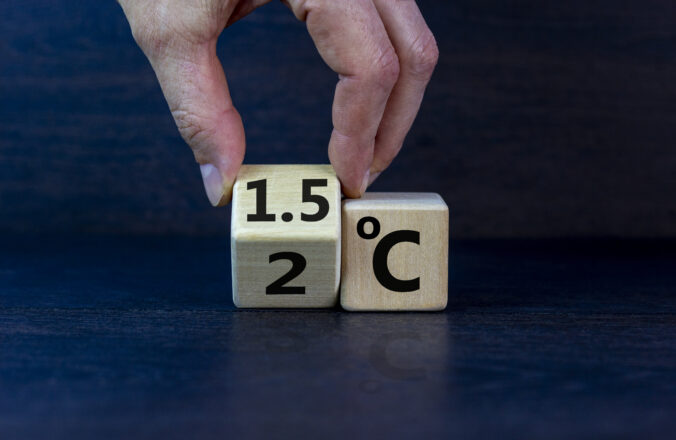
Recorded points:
(395, 252)
(289, 201)
(397, 201)
(285, 236)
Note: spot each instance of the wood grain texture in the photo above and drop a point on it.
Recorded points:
(422, 256)
(253, 243)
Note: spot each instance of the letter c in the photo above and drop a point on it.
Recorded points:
(380, 269)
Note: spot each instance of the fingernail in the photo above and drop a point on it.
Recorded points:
(213, 184)
(365, 182)
(373, 177)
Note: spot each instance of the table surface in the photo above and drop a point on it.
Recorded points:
(137, 337)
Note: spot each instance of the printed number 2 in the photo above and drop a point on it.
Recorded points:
(298, 264)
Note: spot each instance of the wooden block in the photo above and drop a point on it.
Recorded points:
(285, 236)
(395, 252)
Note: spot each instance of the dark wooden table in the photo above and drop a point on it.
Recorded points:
(137, 338)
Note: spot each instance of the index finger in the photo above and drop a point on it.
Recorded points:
(352, 40)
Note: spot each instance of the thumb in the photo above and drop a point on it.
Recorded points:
(195, 87)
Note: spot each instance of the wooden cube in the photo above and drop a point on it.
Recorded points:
(395, 252)
(285, 236)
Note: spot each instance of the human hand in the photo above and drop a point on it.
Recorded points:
(382, 50)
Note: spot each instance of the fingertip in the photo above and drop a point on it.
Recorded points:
(355, 191)
(351, 159)
(350, 193)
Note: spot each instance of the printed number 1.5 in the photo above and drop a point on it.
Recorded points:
(261, 214)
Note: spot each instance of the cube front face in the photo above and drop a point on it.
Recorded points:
(395, 252)
(285, 237)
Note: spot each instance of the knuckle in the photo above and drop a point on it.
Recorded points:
(193, 130)
(385, 71)
(151, 37)
(422, 56)
(159, 24)
(301, 8)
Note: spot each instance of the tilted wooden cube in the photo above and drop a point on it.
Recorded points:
(395, 252)
(285, 236)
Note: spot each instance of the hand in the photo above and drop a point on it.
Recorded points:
(382, 50)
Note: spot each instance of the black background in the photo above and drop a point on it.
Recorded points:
(544, 118)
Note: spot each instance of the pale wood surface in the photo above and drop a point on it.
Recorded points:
(318, 242)
(425, 213)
